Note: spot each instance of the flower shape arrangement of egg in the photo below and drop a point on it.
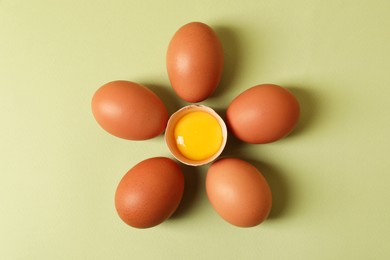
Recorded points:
(150, 192)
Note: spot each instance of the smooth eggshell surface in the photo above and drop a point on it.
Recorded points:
(238, 192)
(129, 110)
(194, 61)
(150, 192)
(263, 114)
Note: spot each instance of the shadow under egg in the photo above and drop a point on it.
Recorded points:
(310, 107)
(192, 189)
(280, 189)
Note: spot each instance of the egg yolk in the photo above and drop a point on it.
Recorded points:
(198, 135)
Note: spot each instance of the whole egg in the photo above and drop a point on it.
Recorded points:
(129, 110)
(238, 192)
(150, 192)
(263, 114)
(194, 61)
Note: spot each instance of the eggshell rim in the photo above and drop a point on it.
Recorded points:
(175, 117)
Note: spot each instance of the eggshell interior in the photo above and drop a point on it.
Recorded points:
(170, 136)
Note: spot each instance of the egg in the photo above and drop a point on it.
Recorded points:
(129, 110)
(263, 114)
(194, 61)
(238, 192)
(150, 192)
(196, 135)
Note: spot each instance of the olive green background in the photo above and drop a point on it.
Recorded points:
(59, 170)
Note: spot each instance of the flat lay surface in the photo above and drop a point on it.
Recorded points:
(59, 169)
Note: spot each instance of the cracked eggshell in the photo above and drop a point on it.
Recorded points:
(170, 137)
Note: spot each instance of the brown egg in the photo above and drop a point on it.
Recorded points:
(263, 114)
(238, 192)
(150, 192)
(129, 110)
(195, 61)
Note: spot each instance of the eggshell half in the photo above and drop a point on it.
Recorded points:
(170, 138)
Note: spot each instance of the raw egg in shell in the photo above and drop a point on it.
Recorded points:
(238, 192)
(129, 110)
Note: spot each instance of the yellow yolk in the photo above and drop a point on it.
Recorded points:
(198, 135)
